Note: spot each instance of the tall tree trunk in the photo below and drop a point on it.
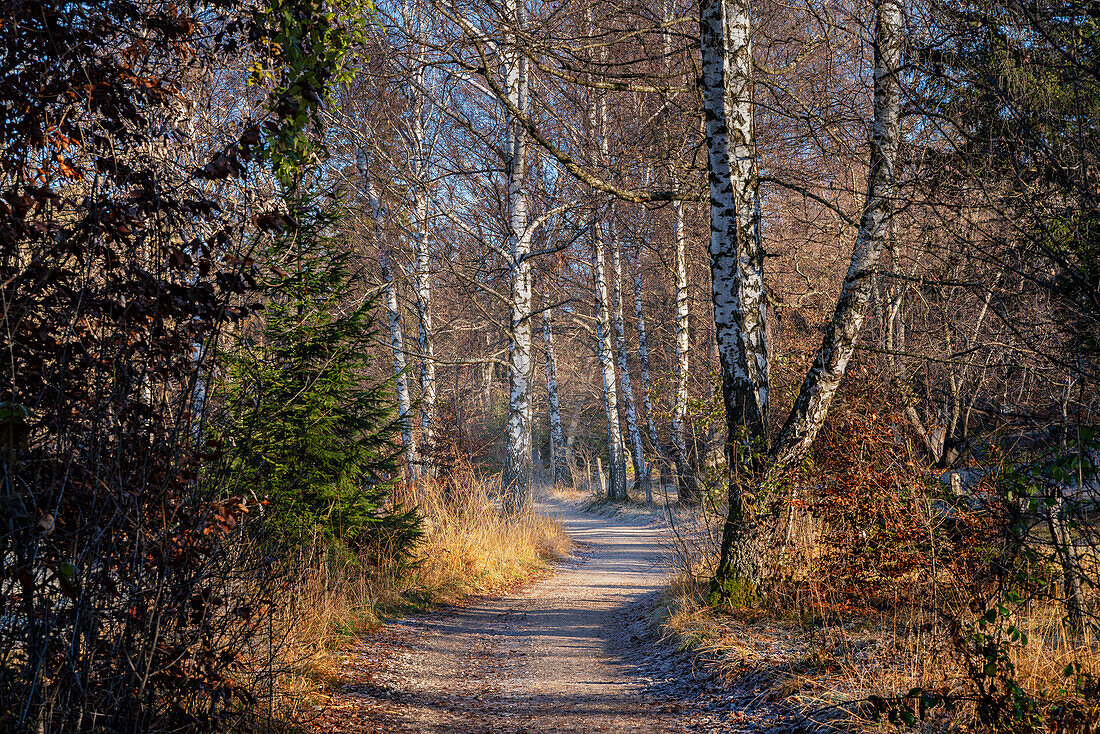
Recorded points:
(812, 403)
(424, 317)
(616, 466)
(737, 270)
(414, 133)
(740, 572)
(397, 336)
(637, 450)
(559, 462)
(517, 466)
(685, 472)
(643, 358)
(616, 488)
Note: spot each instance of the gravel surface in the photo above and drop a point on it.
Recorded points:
(574, 652)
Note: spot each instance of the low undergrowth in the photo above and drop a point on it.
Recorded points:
(861, 669)
(900, 603)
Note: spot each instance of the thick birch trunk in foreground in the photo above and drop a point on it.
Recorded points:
(397, 337)
(685, 473)
(559, 461)
(637, 450)
(737, 269)
(736, 251)
(517, 467)
(643, 358)
(738, 572)
(615, 467)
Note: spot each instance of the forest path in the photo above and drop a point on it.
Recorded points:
(570, 653)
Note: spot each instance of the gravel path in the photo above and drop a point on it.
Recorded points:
(570, 653)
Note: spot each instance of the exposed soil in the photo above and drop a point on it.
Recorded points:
(574, 652)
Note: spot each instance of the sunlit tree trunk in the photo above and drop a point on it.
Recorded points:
(517, 466)
(737, 269)
(424, 316)
(616, 466)
(643, 358)
(616, 469)
(685, 473)
(824, 377)
(413, 130)
(397, 337)
(559, 461)
(742, 563)
(637, 455)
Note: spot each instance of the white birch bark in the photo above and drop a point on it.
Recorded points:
(517, 468)
(605, 349)
(685, 474)
(824, 377)
(737, 270)
(687, 486)
(615, 466)
(637, 451)
(424, 317)
(736, 251)
(416, 143)
(559, 462)
(397, 337)
(643, 359)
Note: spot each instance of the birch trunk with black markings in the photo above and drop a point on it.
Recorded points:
(637, 449)
(643, 358)
(517, 467)
(688, 487)
(816, 393)
(737, 270)
(559, 460)
(397, 336)
(615, 467)
(742, 565)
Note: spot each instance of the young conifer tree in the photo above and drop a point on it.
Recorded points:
(311, 433)
(308, 430)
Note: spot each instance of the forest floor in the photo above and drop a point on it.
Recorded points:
(575, 651)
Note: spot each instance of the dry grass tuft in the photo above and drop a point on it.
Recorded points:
(470, 547)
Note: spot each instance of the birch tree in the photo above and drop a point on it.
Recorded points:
(742, 564)
(637, 454)
(643, 359)
(616, 469)
(823, 378)
(414, 134)
(390, 301)
(737, 264)
(685, 474)
(559, 460)
(517, 466)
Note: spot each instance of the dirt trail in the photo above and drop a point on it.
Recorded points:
(567, 654)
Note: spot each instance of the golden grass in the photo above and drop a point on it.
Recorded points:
(469, 548)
